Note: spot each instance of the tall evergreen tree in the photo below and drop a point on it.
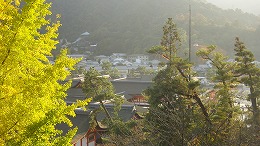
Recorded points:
(100, 89)
(224, 113)
(171, 112)
(176, 111)
(248, 73)
(170, 41)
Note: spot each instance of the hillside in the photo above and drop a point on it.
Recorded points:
(132, 26)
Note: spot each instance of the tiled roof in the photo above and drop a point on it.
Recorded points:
(129, 87)
(126, 87)
(82, 118)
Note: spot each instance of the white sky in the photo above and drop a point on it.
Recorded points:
(250, 6)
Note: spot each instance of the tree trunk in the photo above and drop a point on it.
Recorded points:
(105, 109)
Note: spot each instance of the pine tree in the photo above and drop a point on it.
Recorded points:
(248, 73)
(224, 113)
(176, 112)
(31, 93)
(170, 42)
(170, 114)
(100, 88)
(108, 70)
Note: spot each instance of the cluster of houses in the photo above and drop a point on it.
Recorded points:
(121, 61)
(83, 48)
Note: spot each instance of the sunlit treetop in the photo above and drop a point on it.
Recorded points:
(31, 96)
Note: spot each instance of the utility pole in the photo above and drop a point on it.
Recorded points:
(189, 36)
(189, 31)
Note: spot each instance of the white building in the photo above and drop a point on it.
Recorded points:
(136, 57)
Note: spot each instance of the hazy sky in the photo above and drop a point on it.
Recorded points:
(250, 6)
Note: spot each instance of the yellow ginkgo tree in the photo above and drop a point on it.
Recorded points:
(31, 93)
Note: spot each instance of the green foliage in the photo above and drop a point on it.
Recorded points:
(170, 41)
(176, 114)
(249, 74)
(140, 71)
(100, 88)
(31, 95)
(181, 113)
(173, 96)
(97, 86)
(144, 71)
(108, 70)
(119, 127)
(127, 133)
(169, 118)
(224, 113)
(223, 69)
(79, 70)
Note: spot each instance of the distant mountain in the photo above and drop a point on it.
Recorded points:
(132, 26)
(250, 6)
